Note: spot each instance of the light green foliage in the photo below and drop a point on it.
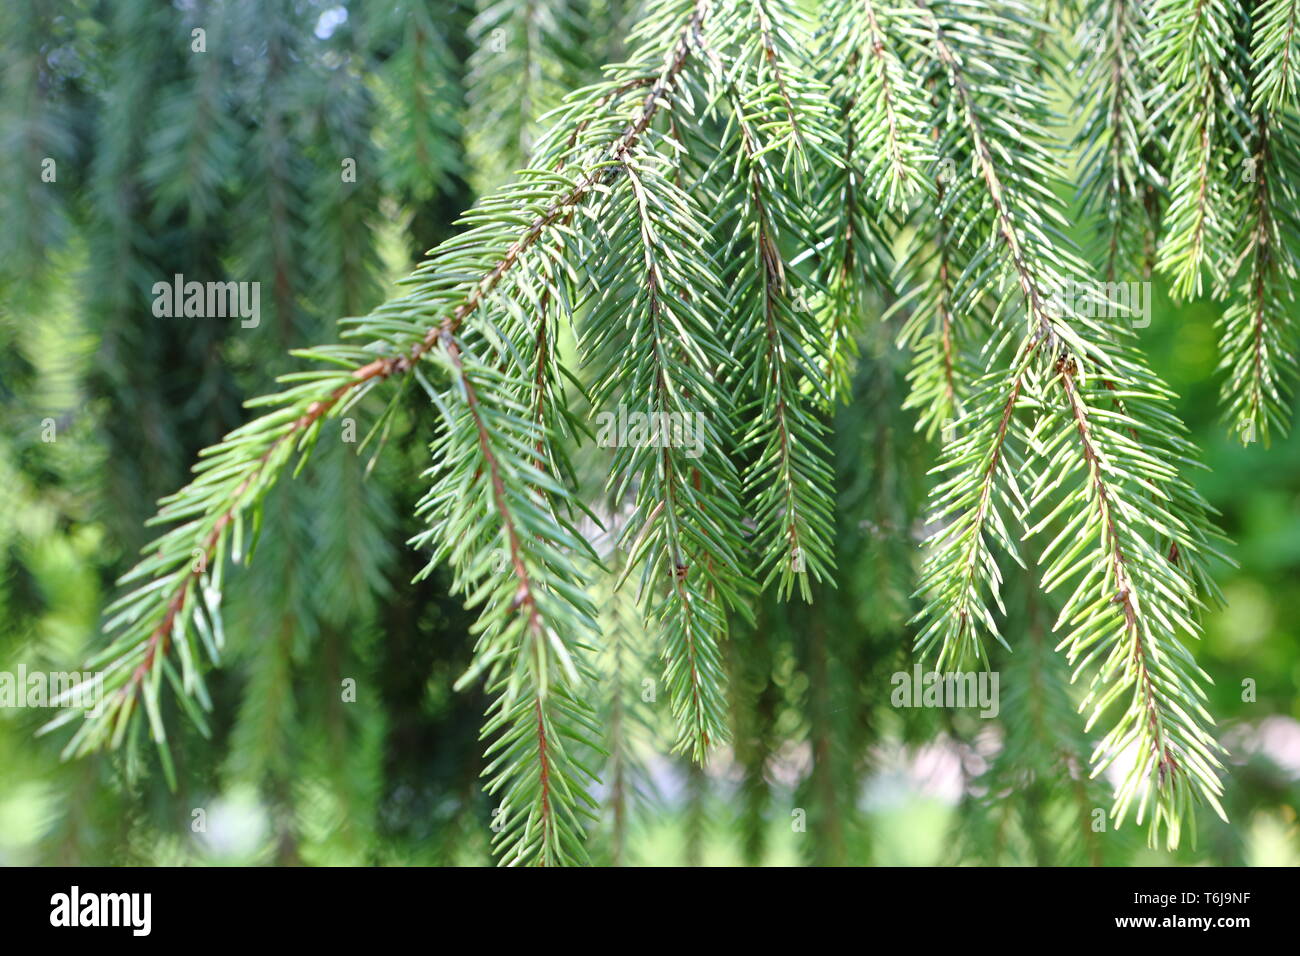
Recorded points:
(1192, 48)
(1068, 430)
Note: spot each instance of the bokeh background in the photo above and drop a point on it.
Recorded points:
(225, 164)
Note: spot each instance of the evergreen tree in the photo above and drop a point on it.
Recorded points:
(788, 242)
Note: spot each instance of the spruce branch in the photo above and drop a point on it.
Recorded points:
(961, 563)
(679, 216)
(537, 623)
(969, 507)
(777, 108)
(1257, 348)
(652, 348)
(1119, 181)
(944, 327)
(1257, 332)
(484, 284)
(866, 47)
(1275, 55)
(1105, 455)
(856, 262)
(1192, 48)
(175, 604)
(885, 147)
(1132, 542)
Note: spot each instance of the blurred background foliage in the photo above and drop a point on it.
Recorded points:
(225, 164)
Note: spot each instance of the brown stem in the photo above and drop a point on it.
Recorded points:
(1125, 596)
